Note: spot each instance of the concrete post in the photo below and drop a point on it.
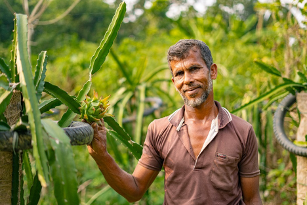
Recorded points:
(301, 100)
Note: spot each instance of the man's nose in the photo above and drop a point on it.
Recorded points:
(188, 78)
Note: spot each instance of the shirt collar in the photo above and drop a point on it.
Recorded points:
(224, 116)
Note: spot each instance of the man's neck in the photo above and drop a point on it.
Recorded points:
(206, 111)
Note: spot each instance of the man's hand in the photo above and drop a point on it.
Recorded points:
(98, 146)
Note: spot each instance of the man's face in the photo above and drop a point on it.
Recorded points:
(192, 78)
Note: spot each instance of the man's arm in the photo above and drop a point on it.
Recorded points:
(132, 187)
(250, 189)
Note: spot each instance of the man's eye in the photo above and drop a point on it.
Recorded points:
(194, 68)
(179, 74)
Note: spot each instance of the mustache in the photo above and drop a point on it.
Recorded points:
(191, 86)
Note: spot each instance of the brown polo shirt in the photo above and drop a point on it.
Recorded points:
(214, 178)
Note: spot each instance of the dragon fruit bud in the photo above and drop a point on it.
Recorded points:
(93, 109)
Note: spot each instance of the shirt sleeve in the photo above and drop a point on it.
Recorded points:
(151, 158)
(248, 166)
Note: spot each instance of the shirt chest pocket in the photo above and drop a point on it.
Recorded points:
(224, 172)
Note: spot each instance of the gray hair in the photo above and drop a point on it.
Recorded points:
(181, 50)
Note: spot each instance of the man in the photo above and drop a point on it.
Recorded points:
(209, 155)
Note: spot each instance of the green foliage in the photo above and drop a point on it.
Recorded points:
(120, 134)
(137, 66)
(58, 159)
(62, 165)
(105, 45)
(68, 117)
(29, 95)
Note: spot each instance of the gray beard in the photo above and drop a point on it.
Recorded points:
(198, 101)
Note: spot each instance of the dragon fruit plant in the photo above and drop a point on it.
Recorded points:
(54, 163)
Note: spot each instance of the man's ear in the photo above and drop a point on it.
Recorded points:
(213, 72)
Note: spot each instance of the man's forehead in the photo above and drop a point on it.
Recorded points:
(194, 50)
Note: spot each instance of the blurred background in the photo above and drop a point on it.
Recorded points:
(237, 32)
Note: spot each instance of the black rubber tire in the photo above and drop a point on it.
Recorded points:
(278, 126)
(80, 133)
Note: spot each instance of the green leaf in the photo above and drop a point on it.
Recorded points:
(63, 168)
(287, 80)
(68, 117)
(46, 105)
(124, 102)
(139, 119)
(266, 95)
(273, 99)
(114, 147)
(139, 71)
(4, 126)
(4, 83)
(154, 72)
(121, 67)
(5, 69)
(95, 196)
(302, 76)
(5, 100)
(6, 97)
(35, 192)
(27, 168)
(268, 68)
(107, 41)
(134, 147)
(300, 143)
(115, 126)
(29, 96)
(12, 66)
(117, 96)
(63, 96)
(40, 74)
